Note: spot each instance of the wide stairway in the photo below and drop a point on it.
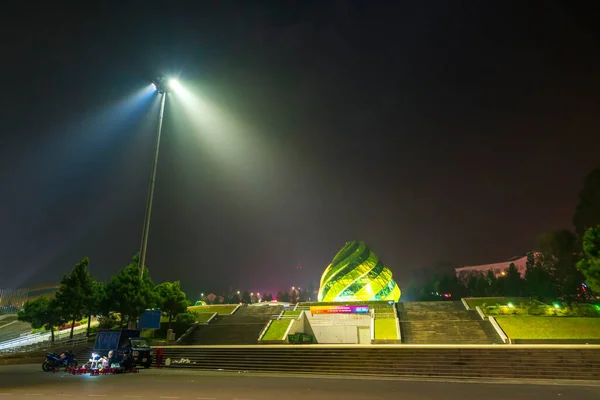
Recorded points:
(537, 362)
(443, 322)
(241, 327)
(11, 328)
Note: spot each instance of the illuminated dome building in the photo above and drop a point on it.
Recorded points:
(356, 274)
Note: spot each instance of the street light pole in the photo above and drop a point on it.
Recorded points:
(146, 228)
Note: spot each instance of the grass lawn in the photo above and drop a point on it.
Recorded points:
(492, 301)
(517, 327)
(223, 310)
(385, 329)
(204, 317)
(292, 313)
(277, 329)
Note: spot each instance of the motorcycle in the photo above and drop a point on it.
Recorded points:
(54, 361)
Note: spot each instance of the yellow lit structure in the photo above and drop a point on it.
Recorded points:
(356, 274)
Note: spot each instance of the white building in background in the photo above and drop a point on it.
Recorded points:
(498, 268)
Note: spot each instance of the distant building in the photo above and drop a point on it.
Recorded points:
(12, 300)
(498, 268)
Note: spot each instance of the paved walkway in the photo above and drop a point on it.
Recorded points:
(28, 381)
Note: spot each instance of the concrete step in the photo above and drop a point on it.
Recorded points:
(492, 362)
(437, 315)
(227, 334)
(241, 327)
(443, 322)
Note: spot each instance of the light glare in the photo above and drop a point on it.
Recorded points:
(174, 84)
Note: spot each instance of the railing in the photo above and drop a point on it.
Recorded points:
(264, 330)
(19, 348)
(500, 331)
(15, 345)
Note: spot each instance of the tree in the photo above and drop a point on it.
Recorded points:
(411, 293)
(42, 313)
(74, 291)
(587, 213)
(477, 284)
(172, 299)
(129, 295)
(93, 301)
(293, 295)
(559, 253)
(539, 282)
(283, 297)
(232, 298)
(590, 265)
(513, 284)
(304, 295)
(493, 288)
(267, 297)
(246, 299)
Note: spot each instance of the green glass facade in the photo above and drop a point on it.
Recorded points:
(356, 274)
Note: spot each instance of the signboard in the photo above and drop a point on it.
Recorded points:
(150, 319)
(339, 309)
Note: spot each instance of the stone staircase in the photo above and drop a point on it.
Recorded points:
(443, 322)
(497, 362)
(242, 327)
(82, 352)
(11, 328)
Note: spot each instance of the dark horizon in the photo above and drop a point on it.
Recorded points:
(434, 133)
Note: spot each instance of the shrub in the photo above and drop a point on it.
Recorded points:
(108, 321)
(186, 318)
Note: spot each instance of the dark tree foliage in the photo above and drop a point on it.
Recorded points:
(171, 299)
(75, 291)
(42, 313)
(587, 213)
(268, 297)
(590, 264)
(129, 295)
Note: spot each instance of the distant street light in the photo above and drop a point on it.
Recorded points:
(163, 88)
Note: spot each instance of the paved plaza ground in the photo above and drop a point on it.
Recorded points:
(28, 381)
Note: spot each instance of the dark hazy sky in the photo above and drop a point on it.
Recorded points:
(432, 130)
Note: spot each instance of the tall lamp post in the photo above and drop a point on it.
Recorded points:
(161, 86)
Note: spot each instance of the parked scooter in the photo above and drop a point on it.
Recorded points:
(54, 361)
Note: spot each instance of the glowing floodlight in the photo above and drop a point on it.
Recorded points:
(174, 84)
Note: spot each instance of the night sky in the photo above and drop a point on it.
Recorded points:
(438, 131)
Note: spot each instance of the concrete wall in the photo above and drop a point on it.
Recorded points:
(340, 334)
(338, 328)
(298, 325)
(364, 335)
